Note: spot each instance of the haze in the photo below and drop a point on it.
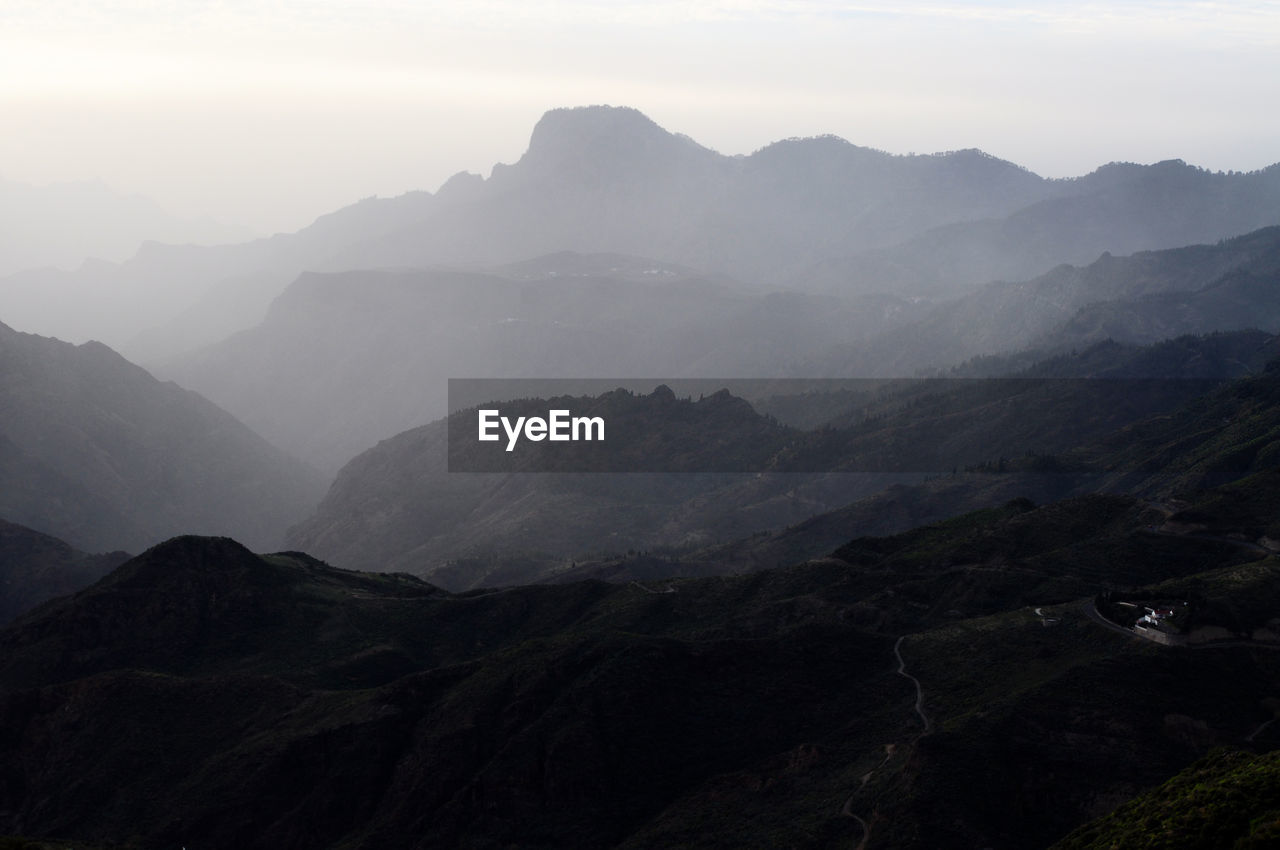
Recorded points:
(269, 114)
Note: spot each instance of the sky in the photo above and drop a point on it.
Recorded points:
(268, 114)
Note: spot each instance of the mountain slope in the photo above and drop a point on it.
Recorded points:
(1139, 299)
(262, 701)
(344, 360)
(1042, 434)
(1226, 800)
(96, 451)
(35, 567)
(1122, 208)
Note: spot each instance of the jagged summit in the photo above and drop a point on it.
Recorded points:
(587, 124)
(589, 137)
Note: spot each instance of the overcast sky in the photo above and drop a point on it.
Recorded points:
(270, 113)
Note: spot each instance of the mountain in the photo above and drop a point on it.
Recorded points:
(343, 360)
(945, 687)
(1225, 800)
(35, 567)
(96, 451)
(360, 355)
(1045, 433)
(397, 506)
(1225, 434)
(65, 224)
(1121, 208)
(608, 180)
(1140, 299)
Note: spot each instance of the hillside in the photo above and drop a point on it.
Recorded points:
(1120, 208)
(97, 452)
(35, 567)
(344, 360)
(1226, 800)
(1042, 434)
(1139, 299)
(695, 712)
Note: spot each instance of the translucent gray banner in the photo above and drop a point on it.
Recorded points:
(931, 426)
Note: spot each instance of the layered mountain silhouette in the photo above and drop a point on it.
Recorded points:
(1043, 433)
(1141, 299)
(97, 452)
(806, 654)
(63, 225)
(344, 360)
(35, 567)
(811, 214)
(201, 690)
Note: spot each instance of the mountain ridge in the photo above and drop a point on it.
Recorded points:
(96, 451)
(774, 217)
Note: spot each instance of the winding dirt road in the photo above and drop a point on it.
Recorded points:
(902, 671)
(847, 809)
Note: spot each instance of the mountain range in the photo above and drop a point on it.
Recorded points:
(816, 214)
(895, 612)
(65, 224)
(402, 505)
(344, 360)
(203, 692)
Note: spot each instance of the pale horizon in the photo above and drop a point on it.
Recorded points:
(269, 115)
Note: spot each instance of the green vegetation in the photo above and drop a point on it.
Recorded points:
(1226, 801)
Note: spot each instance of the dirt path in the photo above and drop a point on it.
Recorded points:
(889, 749)
(902, 671)
(669, 588)
(847, 811)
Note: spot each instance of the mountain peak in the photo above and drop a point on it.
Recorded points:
(603, 138)
(586, 123)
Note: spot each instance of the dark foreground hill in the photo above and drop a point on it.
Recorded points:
(1226, 800)
(201, 694)
(96, 451)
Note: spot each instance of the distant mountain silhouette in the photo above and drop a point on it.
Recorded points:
(1140, 299)
(95, 450)
(65, 224)
(812, 214)
(344, 360)
(1120, 208)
